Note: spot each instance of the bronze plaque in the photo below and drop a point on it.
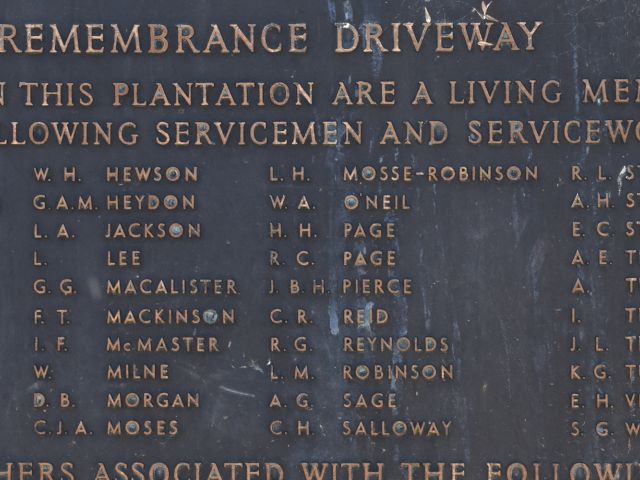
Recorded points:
(320, 240)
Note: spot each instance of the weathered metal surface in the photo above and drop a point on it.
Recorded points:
(490, 263)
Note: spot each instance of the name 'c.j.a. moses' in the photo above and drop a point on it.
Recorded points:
(271, 38)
